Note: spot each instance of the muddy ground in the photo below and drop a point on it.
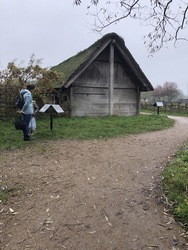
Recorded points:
(91, 195)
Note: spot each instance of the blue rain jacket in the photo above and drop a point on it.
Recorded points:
(28, 105)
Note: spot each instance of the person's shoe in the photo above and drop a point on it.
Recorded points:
(27, 139)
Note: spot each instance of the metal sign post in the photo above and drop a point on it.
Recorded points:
(51, 108)
(158, 104)
(51, 119)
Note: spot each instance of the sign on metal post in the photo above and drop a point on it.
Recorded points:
(158, 104)
(51, 108)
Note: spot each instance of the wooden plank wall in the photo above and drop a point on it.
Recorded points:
(125, 93)
(90, 93)
(89, 96)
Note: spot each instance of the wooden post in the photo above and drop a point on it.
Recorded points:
(138, 100)
(111, 83)
(51, 119)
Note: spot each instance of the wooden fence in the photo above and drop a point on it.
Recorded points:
(168, 107)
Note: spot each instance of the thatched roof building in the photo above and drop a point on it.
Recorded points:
(103, 79)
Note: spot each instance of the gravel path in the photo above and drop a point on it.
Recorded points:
(87, 195)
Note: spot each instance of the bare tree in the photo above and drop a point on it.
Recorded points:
(171, 91)
(158, 94)
(167, 92)
(166, 18)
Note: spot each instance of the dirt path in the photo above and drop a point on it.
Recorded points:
(100, 194)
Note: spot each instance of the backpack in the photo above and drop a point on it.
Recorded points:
(19, 123)
(20, 101)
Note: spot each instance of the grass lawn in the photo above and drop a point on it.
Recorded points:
(82, 128)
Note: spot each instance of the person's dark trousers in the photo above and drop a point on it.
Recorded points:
(26, 121)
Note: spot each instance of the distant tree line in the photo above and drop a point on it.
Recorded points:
(167, 92)
(169, 95)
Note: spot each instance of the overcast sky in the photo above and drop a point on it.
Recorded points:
(55, 30)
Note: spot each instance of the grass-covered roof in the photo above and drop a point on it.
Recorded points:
(72, 66)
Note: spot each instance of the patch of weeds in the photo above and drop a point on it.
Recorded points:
(3, 196)
(175, 186)
(6, 191)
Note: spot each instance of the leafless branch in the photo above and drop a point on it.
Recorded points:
(167, 19)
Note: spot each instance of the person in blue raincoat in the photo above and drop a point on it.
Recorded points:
(27, 110)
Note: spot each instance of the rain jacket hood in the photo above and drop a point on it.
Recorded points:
(28, 105)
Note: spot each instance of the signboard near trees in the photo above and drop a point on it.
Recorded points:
(167, 93)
